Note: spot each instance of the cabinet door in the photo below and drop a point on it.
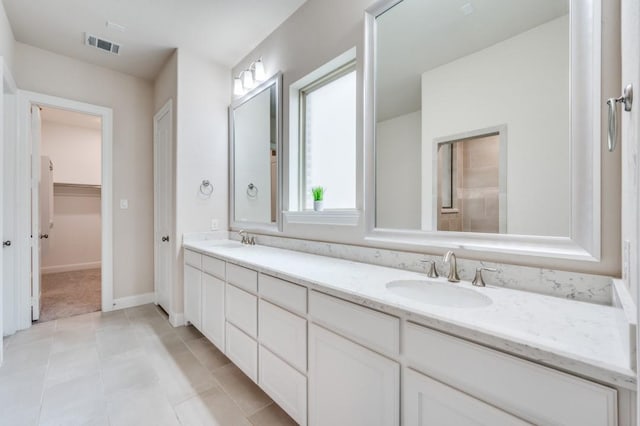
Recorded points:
(350, 384)
(427, 402)
(213, 309)
(192, 295)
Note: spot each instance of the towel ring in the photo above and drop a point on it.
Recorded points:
(206, 188)
(252, 191)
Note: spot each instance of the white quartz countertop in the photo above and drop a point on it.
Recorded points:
(579, 337)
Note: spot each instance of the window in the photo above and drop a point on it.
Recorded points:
(328, 139)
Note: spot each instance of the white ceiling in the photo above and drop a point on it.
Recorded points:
(70, 118)
(417, 35)
(222, 30)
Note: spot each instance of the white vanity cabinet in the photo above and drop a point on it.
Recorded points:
(350, 384)
(193, 295)
(530, 391)
(427, 402)
(328, 361)
(213, 309)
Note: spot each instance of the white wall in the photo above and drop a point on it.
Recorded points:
(75, 152)
(295, 49)
(398, 148)
(74, 242)
(7, 41)
(131, 99)
(202, 150)
(252, 135)
(491, 88)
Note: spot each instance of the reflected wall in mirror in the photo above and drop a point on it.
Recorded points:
(446, 71)
(255, 129)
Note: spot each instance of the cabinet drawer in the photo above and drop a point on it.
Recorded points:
(242, 277)
(243, 351)
(242, 309)
(213, 266)
(530, 391)
(283, 293)
(284, 334)
(193, 258)
(286, 386)
(374, 329)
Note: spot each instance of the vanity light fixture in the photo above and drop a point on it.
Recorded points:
(238, 90)
(248, 78)
(258, 71)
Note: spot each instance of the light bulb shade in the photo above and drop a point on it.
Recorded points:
(237, 87)
(247, 80)
(258, 70)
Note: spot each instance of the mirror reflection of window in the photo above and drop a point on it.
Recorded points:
(469, 185)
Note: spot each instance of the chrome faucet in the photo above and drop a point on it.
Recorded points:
(450, 257)
(243, 234)
(432, 272)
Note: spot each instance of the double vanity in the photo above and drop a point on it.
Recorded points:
(335, 342)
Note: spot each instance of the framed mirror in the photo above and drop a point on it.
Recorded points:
(483, 125)
(255, 152)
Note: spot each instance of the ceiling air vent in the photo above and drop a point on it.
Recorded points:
(102, 44)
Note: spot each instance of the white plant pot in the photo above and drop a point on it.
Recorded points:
(318, 206)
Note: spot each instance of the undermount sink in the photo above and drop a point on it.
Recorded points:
(438, 293)
(224, 244)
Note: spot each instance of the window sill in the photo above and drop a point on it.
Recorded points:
(449, 210)
(325, 217)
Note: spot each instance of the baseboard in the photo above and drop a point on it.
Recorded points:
(176, 320)
(131, 301)
(71, 267)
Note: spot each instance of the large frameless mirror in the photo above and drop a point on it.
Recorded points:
(254, 125)
(484, 118)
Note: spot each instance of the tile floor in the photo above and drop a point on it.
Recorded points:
(128, 367)
(66, 294)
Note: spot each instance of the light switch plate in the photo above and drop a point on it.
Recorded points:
(124, 204)
(215, 225)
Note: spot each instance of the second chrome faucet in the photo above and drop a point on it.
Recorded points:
(450, 258)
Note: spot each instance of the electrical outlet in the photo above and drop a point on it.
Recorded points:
(215, 225)
(124, 204)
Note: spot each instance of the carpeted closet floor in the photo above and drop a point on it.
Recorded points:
(67, 294)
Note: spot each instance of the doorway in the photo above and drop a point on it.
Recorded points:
(69, 213)
(29, 286)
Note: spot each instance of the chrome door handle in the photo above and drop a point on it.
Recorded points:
(612, 125)
(165, 238)
(44, 236)
(6, 243)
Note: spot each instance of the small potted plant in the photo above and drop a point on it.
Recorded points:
(318, 197)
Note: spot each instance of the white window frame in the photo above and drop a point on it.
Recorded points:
(295, 197)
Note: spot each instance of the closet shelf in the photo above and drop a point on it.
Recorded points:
(75, 185)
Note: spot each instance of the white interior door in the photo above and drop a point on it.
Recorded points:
(36, 234)
(630, 49)
(163, 205)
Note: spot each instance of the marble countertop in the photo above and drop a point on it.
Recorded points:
(582, 338)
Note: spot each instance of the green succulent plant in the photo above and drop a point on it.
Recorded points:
(318, 193)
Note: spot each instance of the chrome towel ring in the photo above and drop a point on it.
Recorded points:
(252, 191)
(206, 188)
